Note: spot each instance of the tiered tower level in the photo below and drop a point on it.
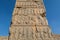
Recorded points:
(29, 22)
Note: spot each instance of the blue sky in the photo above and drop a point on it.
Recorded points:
(52, 11)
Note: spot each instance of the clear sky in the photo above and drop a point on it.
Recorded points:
(52, 11)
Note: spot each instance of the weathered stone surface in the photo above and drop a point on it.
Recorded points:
(4, 38)
(30, 32)
(29, 22)
(29, 11)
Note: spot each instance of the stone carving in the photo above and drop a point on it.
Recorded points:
(29, 22)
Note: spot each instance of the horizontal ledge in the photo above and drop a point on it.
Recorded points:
(43, 26)
(29, 25)
(26, 7)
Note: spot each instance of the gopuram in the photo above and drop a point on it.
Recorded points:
(29, 22)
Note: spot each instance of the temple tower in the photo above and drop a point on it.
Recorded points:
(29, 21)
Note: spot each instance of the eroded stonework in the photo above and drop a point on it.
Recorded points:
(29, 22)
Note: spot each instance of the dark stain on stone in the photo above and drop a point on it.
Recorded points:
(19, 7)
(43, 15)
